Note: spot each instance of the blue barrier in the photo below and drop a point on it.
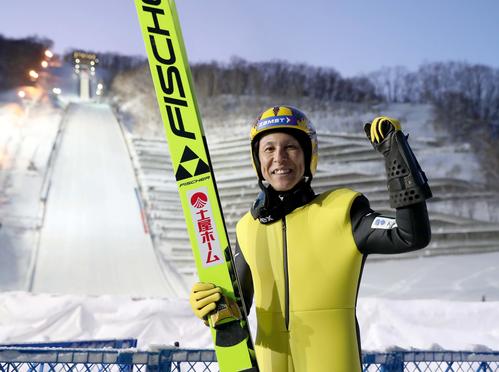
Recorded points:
(15, 359)
(85, 344)
(421, 361)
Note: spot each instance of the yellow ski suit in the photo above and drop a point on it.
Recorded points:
(306, 270)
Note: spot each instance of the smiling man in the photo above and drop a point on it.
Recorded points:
(282, 162)
(301, 255)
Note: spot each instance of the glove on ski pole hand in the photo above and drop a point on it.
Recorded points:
(380, 128)
(203, 299)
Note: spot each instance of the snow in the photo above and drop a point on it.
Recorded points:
(27, 317)
(419, 303)
(92, 225)
(428, 325)
(384, 323)
(470, 278)
(27, 133)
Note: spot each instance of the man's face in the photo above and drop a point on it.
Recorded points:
(282, 161)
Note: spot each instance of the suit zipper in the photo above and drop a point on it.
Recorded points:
(286, 274)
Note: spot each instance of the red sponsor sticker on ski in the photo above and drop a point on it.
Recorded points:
(204, 226)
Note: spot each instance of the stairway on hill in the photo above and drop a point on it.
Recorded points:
(464, 214)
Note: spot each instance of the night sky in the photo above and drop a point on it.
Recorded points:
(353, 36)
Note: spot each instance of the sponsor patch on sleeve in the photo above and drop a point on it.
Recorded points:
(386, 223)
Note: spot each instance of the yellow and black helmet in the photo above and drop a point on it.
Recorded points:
(290, 120)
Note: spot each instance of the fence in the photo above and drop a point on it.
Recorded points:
(90, 344)
(25, 359)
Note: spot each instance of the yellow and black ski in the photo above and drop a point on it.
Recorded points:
(195, 180)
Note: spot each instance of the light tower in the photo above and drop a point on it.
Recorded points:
(85, 67)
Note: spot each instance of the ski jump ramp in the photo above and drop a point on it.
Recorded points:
(93, 240)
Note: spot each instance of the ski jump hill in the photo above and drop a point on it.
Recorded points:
(93, 208)
(464, 213)
(93, 240)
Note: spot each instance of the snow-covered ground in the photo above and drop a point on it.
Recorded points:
(470, 278)
(27, 133)
(414, 303)
(92, 225)
(385, 323)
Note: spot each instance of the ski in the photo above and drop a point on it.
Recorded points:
(195, 180)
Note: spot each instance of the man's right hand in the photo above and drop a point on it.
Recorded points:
(380, 128)
(203, 299)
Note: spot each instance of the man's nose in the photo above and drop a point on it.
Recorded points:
(280, 154)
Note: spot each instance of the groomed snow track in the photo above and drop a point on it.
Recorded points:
(93, 240)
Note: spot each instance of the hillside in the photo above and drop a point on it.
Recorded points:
(464, 212)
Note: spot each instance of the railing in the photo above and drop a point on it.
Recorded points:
(15, 359)
(422, 361)
(124, 343)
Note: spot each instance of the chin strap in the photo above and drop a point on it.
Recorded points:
(271, 206)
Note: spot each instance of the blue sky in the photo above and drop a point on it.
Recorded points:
(353, 36)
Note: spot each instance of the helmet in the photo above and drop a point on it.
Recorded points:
(289, 120)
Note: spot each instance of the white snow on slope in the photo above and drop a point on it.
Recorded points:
(428, 324)
(93, 240)
(472, 277)
(26, 318)
(27, 133)
(384, 324)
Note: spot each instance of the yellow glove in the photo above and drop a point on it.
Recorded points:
(380, 128)
(203, 298)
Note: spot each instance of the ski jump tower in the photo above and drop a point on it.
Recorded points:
(84, 66)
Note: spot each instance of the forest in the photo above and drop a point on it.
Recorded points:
(18, 57)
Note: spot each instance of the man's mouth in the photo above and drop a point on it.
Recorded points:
(281, 171)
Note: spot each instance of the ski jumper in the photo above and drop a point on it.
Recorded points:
(322, 264)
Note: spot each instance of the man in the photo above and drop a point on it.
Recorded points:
(302, 254)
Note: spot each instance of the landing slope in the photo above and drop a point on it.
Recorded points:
(93, 241)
